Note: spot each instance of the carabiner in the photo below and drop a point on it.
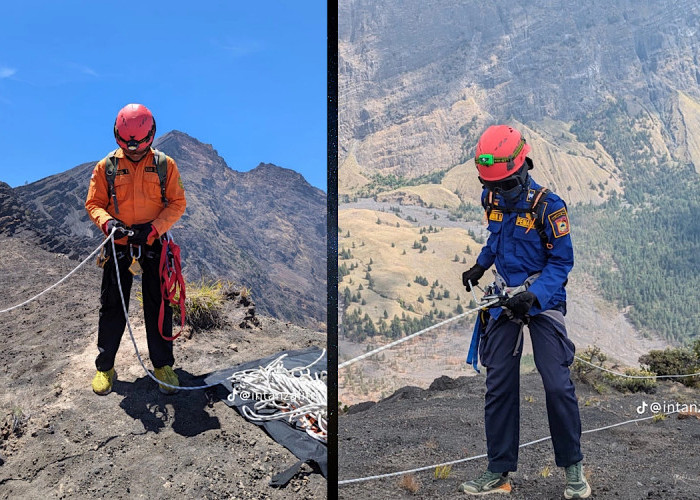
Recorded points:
(131, 251)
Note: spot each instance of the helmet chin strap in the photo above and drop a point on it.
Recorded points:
(135, 157)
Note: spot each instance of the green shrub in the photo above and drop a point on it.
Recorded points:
(586, 373)
(623, 384)
(674, 361)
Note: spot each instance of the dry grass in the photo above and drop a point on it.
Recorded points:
(409, 483)
(204, 300)
(431, 444)
(393, 271)
(443, 471)
(546, 471)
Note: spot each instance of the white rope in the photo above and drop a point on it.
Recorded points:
(453, 462)
(397, 342)
(292, 394)
(131, 333)
(59, 282)
(635, 376)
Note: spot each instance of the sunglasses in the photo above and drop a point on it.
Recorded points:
(502, 185)
(133, 144)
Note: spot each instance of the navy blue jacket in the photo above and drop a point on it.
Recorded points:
(519, 253)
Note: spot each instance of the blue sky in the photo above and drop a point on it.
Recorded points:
(248, 79)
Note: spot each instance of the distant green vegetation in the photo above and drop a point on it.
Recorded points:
(381, 183)
(644, 247)
(358, 327)
(467, 212)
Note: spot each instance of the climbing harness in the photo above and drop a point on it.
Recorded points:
(292, 394)
(498, 294)
(172, 284)
(131, 332)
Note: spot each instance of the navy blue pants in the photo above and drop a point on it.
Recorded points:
(553, 353)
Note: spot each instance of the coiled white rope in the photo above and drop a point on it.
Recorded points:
(484, 455)
(292, 394)
(59, 281)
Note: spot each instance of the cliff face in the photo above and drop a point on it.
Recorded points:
(418, 83)
(265, 229)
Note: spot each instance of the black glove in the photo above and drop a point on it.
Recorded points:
(141, 232)
(521, 303)
(473, 275)
(121, 228)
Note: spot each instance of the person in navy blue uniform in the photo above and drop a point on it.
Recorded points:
(529, 242)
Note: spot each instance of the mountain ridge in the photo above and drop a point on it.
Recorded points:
(268, 236)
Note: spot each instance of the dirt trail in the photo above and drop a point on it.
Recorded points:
(416, 427)
(134, 442)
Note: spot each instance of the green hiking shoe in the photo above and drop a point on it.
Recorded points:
(167, 376)
(576, 484)
(102, 382)
(486, 483)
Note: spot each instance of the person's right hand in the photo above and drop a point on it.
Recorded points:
(121, 232)
(472, 275)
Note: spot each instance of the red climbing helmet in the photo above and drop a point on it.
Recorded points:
(500, 152)
(134, 128)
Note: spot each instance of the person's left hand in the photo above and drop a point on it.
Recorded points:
(521, 303)
(142, 234)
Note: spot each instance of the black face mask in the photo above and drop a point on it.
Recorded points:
(511, 187)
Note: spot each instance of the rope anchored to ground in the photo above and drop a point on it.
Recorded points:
(484, 455)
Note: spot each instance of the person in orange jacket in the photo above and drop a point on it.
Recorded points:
(134, 201)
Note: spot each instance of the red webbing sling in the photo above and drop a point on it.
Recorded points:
(170, 279)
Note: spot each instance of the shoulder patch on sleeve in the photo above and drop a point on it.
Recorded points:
(179, 182)
(559, 221)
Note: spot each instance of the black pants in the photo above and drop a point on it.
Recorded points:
(112, 321)
(553, 352)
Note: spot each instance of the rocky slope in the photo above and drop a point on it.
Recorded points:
(265, 228)
(418, 83)
(417, 427)
(606, 93)
(59, 440)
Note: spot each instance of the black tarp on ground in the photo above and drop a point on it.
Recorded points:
(304, 447)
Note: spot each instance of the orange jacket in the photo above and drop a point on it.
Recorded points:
(138, 195)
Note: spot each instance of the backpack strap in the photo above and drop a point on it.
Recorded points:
(160, 161)
(111, 165)
(488, 204)
(537, 212)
